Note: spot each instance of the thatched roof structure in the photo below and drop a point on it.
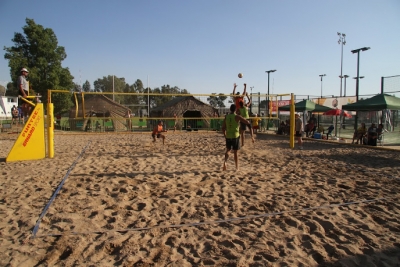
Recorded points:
(98, 106)
(185, 107)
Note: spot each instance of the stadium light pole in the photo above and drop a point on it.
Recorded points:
(268, 71)
(322, 75)
(345, 77)
(342, 41)
(358, 79)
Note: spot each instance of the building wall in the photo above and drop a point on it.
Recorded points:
(8, 101)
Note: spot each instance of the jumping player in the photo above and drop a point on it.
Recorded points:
(238, 98)
(244, 112)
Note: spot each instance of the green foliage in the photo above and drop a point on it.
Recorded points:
(111, 83)
(217, 101)
(86, 86)
(37, 49)
(132, 100)
(11, 89)
(165, 89)
(2, 90)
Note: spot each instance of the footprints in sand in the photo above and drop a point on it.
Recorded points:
(126, 183)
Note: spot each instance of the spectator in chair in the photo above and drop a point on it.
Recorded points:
(372, 135)
(314, 122)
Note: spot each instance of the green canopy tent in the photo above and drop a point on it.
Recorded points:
(306, 105)
(375, 103)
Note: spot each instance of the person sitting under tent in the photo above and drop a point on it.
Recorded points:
(309, 129)
(359, 134)
(372, 135)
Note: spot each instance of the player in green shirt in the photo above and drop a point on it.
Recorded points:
(230, 128)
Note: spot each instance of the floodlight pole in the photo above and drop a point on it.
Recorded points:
(268, 71)
(342, 41)
(322, 75)
(319, 102)
(345, 77)
(358, 79)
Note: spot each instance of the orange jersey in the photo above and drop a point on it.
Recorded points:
(238, 99)
(158, 129)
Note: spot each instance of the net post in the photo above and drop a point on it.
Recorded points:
(50, 130)
(292, 122)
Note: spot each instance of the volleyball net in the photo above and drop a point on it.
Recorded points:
(119, 112)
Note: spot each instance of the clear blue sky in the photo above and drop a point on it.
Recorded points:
(202, 45)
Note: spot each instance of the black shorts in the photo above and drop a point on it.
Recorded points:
(244, 125)
(20, 101)
(298, 134)
(158, 135)
(233, 143)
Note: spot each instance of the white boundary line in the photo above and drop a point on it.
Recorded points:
(214, 222)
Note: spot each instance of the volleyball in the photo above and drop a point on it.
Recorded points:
(240, 75)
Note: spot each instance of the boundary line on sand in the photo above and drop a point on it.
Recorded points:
(213, 222)
(36, 228)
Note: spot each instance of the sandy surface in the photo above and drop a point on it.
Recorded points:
(129, 202)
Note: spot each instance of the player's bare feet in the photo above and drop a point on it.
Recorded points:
(224, 167)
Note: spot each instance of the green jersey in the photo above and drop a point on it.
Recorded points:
(244, 112)
(232, 126)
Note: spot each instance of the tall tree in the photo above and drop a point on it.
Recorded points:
(11, 89)
(37, 49)
(86, 86)
(2, 90)
(217, 101)
(111, 83)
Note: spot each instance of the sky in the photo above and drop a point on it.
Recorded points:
(202, 45)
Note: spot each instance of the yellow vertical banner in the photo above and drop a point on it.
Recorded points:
(30, 144)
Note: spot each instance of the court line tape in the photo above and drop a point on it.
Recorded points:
(214, 222)
(36, 228)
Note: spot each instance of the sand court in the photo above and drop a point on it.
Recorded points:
(131, 202)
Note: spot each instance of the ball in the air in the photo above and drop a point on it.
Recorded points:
(240, 75)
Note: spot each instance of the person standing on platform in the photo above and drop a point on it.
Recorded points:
(23, 90)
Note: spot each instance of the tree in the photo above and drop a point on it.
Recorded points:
(11, 89)
(111, 83)
(37, 49)
(217, 101)
(133, 101)
(2, 90)
(86, 86)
